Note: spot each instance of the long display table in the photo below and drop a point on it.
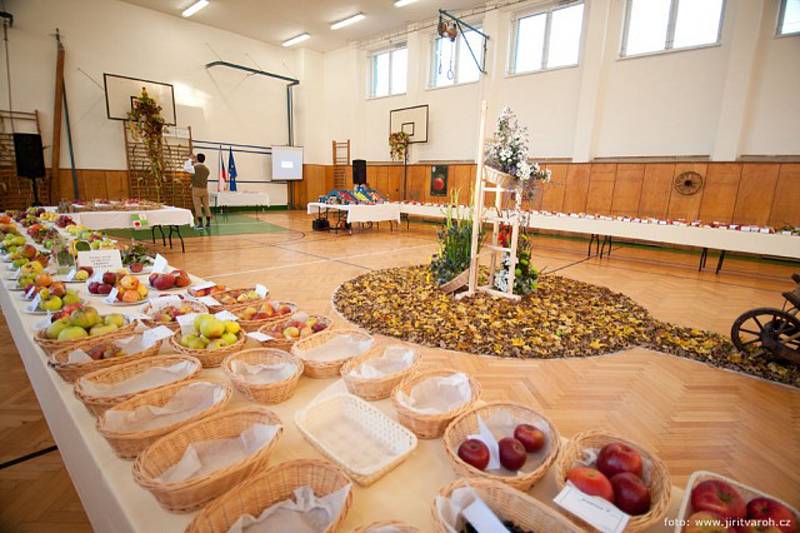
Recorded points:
(171, 217)
(360, 213)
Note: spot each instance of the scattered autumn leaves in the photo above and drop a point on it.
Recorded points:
(562, 318)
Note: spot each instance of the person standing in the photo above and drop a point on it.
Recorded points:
(200, 172)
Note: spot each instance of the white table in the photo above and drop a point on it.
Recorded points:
(388, 212)
(240, 198)
(171, 217)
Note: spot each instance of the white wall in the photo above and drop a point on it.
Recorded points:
(722, 101)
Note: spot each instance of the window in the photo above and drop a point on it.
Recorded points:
(548, 40)
(389, 72)
(789, 17)
(453, 61)
(657, 25)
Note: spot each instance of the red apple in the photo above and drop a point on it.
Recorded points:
(109, 278)
(93, 287)
(152, 277)
(530, 436)
(617, 457)
(104, 288)
(181, 278)
(706, 522)
(512, 453)
(163, 282)
(89, 270)
(718, 497)
(631, 495)
(770, 511)
(592, 482)
(474, 453)
(136, 267)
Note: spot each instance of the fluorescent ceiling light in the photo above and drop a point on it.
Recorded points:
(401, 3)
(346, 22)
(297, 39)
(194, 8)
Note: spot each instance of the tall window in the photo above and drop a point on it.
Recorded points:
(657, 25)
(548, 40)
(389, 72)
(789, 18)
(453, 61)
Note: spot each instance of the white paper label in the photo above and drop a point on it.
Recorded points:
(112, 296)
(29, 293)
(101, 259)
(261, 290)
(152, 336)
(15, 275)
(43, 323)
(71, 274)
(136, 315)
(186, 322)
(159, 264)
(201, 286)
(34, 305)
(482, 518)
(208, 300)
(260, 337)
(593, 510)
(226, 315)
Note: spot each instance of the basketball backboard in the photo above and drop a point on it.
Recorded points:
(121, 90)
(412, 120)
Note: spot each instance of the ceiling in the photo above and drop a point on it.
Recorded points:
(274, 21)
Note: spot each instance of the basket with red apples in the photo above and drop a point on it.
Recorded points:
(286, 331)
(167, 314)
(102, 354)
(623, 472)
(715, 504)
(256, 315)
(206, 291)
(238, 297)
(166, 281)
(129, 289)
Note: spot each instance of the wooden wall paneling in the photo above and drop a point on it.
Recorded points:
(656, 189)
(601, 188)
(720, 190)
(756, 193)
(786, 204)
(117, 184)
(627, 189)
(394, 187)
(577, 186)
(381, 182)
(418, 186)
(682, 206)
(552, 194)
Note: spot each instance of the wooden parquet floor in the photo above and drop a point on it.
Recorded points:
(693, 415)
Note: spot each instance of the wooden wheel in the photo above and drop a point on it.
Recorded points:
(770, 332)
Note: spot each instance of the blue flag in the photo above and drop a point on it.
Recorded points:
(231, 170)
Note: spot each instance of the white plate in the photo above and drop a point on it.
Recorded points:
(145, 271)
(13, 287)
(126, 304)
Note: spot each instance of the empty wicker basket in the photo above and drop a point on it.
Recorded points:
(271, 393)
(97, 405)
(509, 504)
(326, 369)
(656, 477)
(70, 372)
(396, 525)
(467, 424)
(150, 322)
(209, 358)
(376, 388)
(430, 426)
(270, 487)
(284, 344)
(128, 444)
(193, 493)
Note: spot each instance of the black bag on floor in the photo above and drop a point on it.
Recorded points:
(321, 224)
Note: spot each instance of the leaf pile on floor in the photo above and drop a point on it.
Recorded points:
(562, 318)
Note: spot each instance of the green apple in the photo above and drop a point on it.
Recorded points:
(212, 328)
(229, 338)
(187, 340)
(93, 316)
(81, 275)
(101, 330)
(55, 328)
(53, 304)
(216, 344)
(79, 318)
(199, 319)
(72, 333)
(196, 344)
(116, 319)
(71, 298)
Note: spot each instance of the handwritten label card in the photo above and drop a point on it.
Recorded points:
(159, 264)
(112, 296)
(101, 259)
(186, 323)
(152, 336)
(261, 290)
(482, 518)
(201, 286)
(260, 337)
(34, 305)
(593, 510)
(226, 315)
(71, 274)
(208, 300)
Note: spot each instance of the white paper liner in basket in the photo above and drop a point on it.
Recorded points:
(502, 424)
(207, 456)
(450, 508)
(187, 402)
(263, 374)
(341, 346)
(438, 394)
(305, 513)
(395, 358)
(152, 377)
(129, 345)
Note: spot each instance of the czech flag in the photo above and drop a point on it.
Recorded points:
(231, 170)
(222, 183)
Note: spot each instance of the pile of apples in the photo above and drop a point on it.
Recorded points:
(33, 274)
(55, 296)
(264, 311)
(83, 273)
(238, 297)
(616, 478)
(208, 291)
(169, 313)
(129, 288)
(64, 220)
(210, 333)
(106, 350)
(718, 507)
(26, 254)
(299, 327)
(513, 450)
(83, 323)
(12, 241)
(167, 281)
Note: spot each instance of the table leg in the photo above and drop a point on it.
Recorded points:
(161, 231)
(720, 261)
(610, 244)
(178, 232)
(153, 233)
(703, 257)
(591, 240)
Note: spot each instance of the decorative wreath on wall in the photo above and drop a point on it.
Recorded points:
(688, 183)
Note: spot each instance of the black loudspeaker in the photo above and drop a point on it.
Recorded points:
(29, 155)
(359, 172)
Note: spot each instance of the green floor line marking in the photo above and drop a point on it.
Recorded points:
(232, 224)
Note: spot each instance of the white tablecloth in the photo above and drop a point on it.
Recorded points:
(166, 216)
(361, 213)
(239, 198)
(773, 244)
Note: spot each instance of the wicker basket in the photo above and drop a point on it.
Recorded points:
(253, 325)
(193, 493)
(358, 423)
(197, 307)
(510, 504)
(467, 424)
(51, 346)
(128, 444)
(97, 405)
(424, 425)
(270, 393)
(70, 372)
(218, 295)
(270, 487)
(377, 388)
(748, 493)
(401, 527)
(456, 283)
(498, 177)
(284, 344)
(209, 358)
(325, 369)
(659, 481)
